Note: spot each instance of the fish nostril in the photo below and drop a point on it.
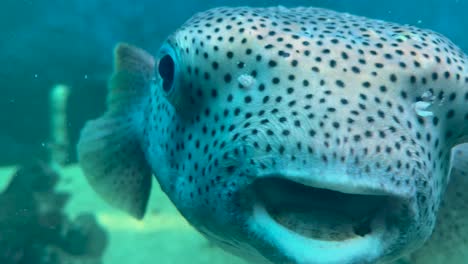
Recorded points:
(230, 169)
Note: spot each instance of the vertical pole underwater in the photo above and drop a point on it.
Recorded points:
(59, 138)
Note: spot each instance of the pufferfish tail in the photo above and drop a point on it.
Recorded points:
(109, 148)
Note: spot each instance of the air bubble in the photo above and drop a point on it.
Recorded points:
(246, 80)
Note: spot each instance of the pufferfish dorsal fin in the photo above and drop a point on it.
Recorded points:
(448, 244)
(109, 149)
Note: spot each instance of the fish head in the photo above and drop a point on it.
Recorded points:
(286, 135)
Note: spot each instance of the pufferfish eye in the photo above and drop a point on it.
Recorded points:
(166, 69)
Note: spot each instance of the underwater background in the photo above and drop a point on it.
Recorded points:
(48, 43)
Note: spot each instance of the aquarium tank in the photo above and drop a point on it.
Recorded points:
(242, 131)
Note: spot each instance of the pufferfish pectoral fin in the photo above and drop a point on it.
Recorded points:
(449, 242)
(109, 149)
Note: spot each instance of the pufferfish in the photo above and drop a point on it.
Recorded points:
(298, 135)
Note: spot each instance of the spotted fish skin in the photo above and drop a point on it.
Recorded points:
(306, 96)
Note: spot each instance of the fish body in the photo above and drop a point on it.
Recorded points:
(296, 135)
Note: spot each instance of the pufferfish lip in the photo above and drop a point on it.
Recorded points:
(315, 222)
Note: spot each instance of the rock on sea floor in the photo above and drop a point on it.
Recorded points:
(163, 236)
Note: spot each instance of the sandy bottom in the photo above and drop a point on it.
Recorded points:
(162, 237)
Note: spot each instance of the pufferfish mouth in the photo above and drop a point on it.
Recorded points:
(342, 227)
(318, 213)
